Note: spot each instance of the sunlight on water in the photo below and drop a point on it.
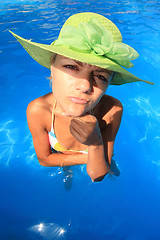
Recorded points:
(7, 143)
(148, 117)
(49, 231)
(143, 108)
(146, 107)
(6, 2)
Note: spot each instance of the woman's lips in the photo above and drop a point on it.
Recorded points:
(78, 100)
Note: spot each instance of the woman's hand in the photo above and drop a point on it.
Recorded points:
(86, 130)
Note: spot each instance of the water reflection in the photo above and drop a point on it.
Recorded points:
(7, 142)
(48, 231)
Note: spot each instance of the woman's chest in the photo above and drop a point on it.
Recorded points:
(61, 128)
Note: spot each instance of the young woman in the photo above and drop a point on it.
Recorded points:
(77, 123)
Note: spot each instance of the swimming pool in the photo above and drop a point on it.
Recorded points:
(48, 203)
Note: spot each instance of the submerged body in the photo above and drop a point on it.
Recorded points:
(84, 117)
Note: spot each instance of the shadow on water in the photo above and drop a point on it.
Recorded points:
(68, 175)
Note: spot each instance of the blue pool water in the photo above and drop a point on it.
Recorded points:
(48, 203)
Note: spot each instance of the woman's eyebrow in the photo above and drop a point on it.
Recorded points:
(78, 62)
(103, 70)
(82, 64)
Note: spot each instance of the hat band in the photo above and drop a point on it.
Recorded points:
(93, 37)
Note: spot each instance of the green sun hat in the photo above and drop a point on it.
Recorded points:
(90, 38)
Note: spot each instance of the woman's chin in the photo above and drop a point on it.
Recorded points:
(74, 113)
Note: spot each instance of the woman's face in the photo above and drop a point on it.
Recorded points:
(77, 86)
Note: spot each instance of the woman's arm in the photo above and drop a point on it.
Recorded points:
(63, 159)
(100, 144)
(97, 166)
(99, 157)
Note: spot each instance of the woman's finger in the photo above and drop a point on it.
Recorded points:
(75, 133)
(79, 126)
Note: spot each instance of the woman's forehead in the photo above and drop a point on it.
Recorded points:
(82, 64)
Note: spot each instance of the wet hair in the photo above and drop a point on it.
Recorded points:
(53, 58)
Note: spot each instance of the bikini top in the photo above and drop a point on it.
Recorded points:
(55, 145)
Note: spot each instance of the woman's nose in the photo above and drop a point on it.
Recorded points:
(84, 85)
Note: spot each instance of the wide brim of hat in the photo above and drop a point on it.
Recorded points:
(42, 54)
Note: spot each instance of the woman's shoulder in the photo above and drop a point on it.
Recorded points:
(108, 108)
(108, 103)
(111, 102)
(42, 103)
(39, 109)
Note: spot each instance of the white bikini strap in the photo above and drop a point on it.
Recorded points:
(54, 106)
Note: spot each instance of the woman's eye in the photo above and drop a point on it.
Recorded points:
(71, 67)
(101, 78)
